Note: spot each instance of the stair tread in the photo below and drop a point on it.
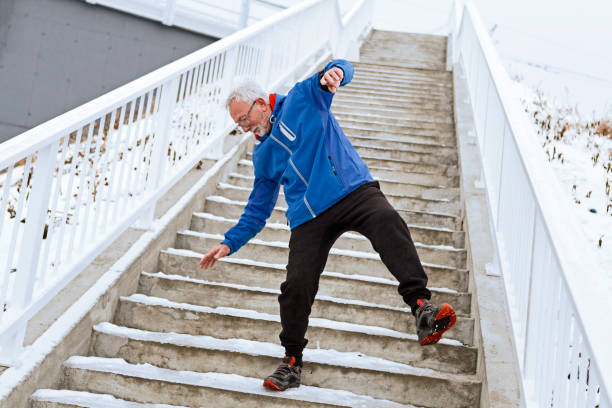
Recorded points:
(228, 382)
(138, 298)
(355, 360)
(91, 400)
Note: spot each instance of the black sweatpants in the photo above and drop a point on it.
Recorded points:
(367, 211)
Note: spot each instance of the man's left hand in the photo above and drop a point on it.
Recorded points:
(332, 78)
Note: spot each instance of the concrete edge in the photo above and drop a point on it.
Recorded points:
(498, 364)
(70, 334)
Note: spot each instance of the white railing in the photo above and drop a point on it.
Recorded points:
(210, 17)
(559, 312)
(70, 186)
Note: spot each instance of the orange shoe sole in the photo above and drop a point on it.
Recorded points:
(269, 384)
(445, 311)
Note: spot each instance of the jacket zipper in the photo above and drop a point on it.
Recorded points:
(332, 165)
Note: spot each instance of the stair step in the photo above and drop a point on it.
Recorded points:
(394, 116)
(392, 113)
(380, 68)
(214, 224)
(361, 128)
(407, 83)
(414, 96)
(329, 370)
(398, 91)
(342, 261)
(403, 166)
(380, 290)
(239, 187)
(421, 106)
(233, 209)
(433, 180)
(149, 384)
(200, 292)
(417, 78)
(400, 144)
(444, 155)
(435, 136)
(45, 398)
(399, 165)
(424, 198)
(157, 314)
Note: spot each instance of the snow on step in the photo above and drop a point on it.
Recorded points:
(229, 382)
(249, 262)
(252, 314)
(273, 291)
(91, 400)
(259, 348)
(333, 251)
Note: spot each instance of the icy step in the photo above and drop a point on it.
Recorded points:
(393, 164)
(427, 200)
(352, 241)
(425, 137)
(393, 112)
(425, 77)
(200, 292)
(402, 72)
(407, 85)
(339, 260)
(444, 155)
(398, 91)
(418, 106)
(416, 79)
(45, 398)
(431, 180)
(147, 384)
(330, 369)
(239, 185)
(157, 314)
(393, 119)
(439, 237)
(440, 136)
(234, 209)
(380, 290)
(350, 93)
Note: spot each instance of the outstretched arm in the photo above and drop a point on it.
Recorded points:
(258, 209)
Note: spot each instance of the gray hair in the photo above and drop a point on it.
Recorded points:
(246, 92)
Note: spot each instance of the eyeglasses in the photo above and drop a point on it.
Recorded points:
(244, 120)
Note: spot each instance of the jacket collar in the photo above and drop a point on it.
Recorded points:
(276, 102)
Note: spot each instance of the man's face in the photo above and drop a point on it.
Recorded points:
(251, 116)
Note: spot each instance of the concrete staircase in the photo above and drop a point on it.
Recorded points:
(197, 338)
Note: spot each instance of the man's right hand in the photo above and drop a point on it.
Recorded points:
(210, 259)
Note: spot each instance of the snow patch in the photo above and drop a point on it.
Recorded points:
(229, 382)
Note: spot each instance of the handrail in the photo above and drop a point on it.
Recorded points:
(556, 310)
(70, 186)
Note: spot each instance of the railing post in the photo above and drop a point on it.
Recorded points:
(159, 158)
(34, 226)
(244, 14)
(168, 18)
(12, 342)
(229, 68)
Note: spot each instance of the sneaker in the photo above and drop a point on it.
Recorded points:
(287, 375)
(432, 321)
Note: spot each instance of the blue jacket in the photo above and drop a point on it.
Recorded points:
(308, 153)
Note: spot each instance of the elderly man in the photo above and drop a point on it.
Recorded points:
(329, 190)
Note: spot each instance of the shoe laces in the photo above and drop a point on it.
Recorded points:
(425, 307)
(285, 367)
